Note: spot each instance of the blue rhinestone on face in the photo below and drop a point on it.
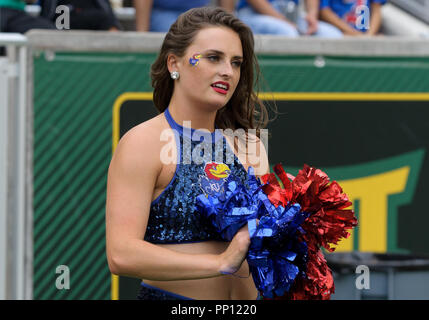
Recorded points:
(173, 217)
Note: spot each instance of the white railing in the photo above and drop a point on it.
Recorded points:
(15, 175)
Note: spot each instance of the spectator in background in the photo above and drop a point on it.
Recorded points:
(282, 17)
(343, 15)
(159, 15)
(13, 18)
(84, 14)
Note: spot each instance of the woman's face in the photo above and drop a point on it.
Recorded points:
(210, 78)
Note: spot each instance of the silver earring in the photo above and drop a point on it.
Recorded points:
(174, 75)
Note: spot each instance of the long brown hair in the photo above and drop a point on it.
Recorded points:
(244, 109)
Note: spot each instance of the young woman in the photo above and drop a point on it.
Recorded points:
(203, 82)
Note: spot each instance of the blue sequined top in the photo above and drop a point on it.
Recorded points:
(173, 215)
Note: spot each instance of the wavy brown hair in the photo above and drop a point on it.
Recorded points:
(244, 109)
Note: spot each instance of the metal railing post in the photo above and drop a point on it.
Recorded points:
(4, 87)
(14, 171)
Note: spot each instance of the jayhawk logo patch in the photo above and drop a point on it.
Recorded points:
(214, 177)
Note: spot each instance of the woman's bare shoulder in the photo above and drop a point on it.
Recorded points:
(141, 144)
(145, 134)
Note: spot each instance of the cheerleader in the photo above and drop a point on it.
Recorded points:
(203, 80)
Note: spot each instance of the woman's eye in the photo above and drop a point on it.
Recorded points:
(237, 63)
(213, 58)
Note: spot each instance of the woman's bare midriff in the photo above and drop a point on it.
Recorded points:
(236, 287)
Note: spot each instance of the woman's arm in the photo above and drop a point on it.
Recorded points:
(252, 152)
(312, 7)
(331, 17)
(228, 5)
(262, 166)
(375, 21)
(131, 180)
(143, 13)
(264, 7)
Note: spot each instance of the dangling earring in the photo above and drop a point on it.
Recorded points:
(174, 75)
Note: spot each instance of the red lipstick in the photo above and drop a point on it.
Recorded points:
(221, 87)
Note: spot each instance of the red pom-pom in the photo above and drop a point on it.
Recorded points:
(318, 283)
(327, 224)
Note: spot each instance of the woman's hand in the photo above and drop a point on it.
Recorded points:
(232, 258)
(313, 24)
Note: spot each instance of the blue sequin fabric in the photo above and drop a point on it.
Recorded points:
(206, 160)
(148, 292)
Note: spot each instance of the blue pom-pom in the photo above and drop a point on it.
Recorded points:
(275, 256)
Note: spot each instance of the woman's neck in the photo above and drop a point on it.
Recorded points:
(189, 116)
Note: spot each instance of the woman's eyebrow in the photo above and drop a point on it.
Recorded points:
(221, 53)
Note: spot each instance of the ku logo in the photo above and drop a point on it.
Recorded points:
(215, 175)
(195, 59)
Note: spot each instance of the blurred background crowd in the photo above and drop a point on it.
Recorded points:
(290, 18)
